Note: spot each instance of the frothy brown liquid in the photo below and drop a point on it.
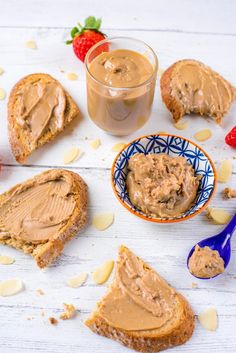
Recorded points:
(119, 101)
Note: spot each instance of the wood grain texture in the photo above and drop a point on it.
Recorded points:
(175, 30)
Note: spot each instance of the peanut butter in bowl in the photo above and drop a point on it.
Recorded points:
(160, 185)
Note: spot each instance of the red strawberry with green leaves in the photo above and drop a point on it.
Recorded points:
(83, 38)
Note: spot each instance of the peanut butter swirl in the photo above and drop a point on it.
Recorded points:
(139, 298)
(35, 212)
(41, 106)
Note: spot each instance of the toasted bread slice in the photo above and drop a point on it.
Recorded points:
(189, 86)
(141, 310)
(40, 215)
(38, 110)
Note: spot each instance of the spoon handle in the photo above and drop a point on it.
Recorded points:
(231, 226)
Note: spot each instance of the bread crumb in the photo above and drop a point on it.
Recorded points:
(69, 313)
(229, 193)
(30, 44)
(194, 285)
(72, 76)
(2, 94)
(29, 318)
(53, 321)
(1, 71)
(40, 292)
(42, 313)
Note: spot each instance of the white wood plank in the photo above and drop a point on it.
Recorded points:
(53, 55)
(179, 15)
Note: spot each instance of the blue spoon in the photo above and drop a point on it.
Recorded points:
(219, 242)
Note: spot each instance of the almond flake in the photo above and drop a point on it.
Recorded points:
(40, 291)
(1, 71)
(72, 76)
(77, 281)
(6, 260)
(102, 273)
(224, 171)
(181, 125)
(10, 287)
(161, 132)
(218, 215)
(30, 44)
(203, 135)
(71, 155)
(208, 319)
(2, 94)
(102, 221)
(95, 144)
(118, 147)
(70, 311)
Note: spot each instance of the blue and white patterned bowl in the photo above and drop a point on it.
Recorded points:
(174, 146)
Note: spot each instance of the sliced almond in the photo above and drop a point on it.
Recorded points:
(218, 215)
(30, 44)
(102, 221)
(224, 171)
(95, 144)
(181, 125)
(1, 71)
(208, 319)
(71, 155)
(2, 94)
(6, 260)
(72, 76)
(203, 135)
(118, 147)
(161, 132)
(102, 273)
(77, 281)
(10, 287)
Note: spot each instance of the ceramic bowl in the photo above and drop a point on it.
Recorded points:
(174, 146)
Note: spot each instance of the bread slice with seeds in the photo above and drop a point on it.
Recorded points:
(40, 215)
(189, 86)
(141, 310)
(38, 110)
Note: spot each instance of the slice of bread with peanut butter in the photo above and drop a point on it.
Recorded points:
(189, 86)
(40, 215)
(38, 110)
(141, 310)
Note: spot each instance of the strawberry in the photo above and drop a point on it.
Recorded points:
(83, 38)
(230, 138)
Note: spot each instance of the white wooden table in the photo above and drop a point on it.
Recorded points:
(204, 30)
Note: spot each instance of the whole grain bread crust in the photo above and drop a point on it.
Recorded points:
(150, 340)
(19, 147)
(47, 252)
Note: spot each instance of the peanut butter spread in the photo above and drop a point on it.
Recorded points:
(119, 99)
(201, 90)
(205, 262)
(121, 68)
(139, 299)
(41, 106)
(161, 185)
(37, 210)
